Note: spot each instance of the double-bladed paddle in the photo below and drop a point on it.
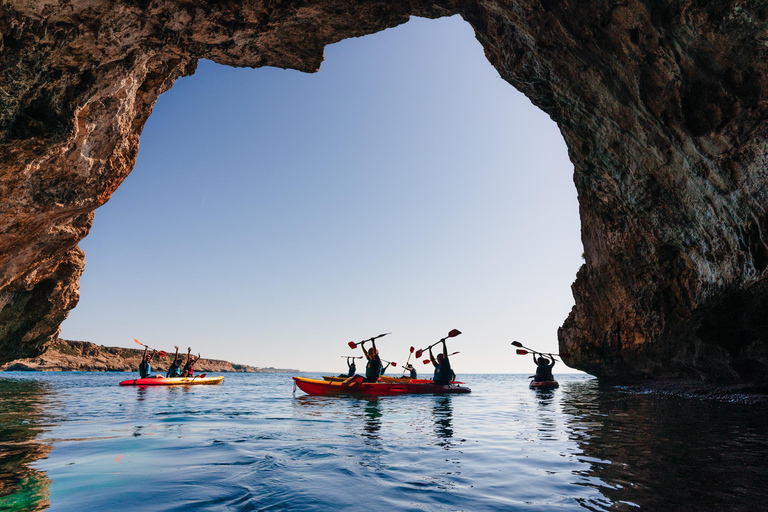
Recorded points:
(522, 351)
(352, 344)
(452, 334)
(161, 353)
(427, 361)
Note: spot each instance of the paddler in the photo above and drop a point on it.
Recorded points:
(191, 360)
(144, 367)
(372, 368)
(411, 369)
(175, 368)
(443, 373)
(543, 368)
(351, 367)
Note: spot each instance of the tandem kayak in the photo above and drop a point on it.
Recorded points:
(172, 381)
(544, 384)
(324, 387)
(383, 378)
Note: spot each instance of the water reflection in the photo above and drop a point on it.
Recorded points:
(372, 419)
(22, 418)
(667, 453)
(442, 412)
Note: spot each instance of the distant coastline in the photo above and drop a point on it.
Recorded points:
(68, 355)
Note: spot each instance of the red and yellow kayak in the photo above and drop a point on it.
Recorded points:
(421, 386)
(172, 381)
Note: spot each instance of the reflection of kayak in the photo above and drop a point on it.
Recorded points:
(323, 387)
(544, 384)
(171, 381)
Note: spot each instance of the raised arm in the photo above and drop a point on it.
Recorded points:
(432, 358)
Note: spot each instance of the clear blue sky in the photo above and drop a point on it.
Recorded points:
(273, 216)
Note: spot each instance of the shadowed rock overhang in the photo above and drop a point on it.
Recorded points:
(662, 105)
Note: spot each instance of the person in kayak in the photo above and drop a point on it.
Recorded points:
(411, 369)
(351, 367)
(188, 366)
(144, 367)
(372, 368)
(175, 368)
(543, 368)
(443, 373)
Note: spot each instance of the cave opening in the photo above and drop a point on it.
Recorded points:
(272, 214)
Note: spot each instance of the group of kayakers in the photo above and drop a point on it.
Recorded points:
(178, 367)
(374, 368)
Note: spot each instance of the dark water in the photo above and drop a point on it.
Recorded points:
(80, 442)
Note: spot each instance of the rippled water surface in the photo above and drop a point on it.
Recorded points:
(78, 441)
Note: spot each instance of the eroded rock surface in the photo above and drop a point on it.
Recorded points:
(662, 105)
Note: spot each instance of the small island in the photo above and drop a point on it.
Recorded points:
(68, 355)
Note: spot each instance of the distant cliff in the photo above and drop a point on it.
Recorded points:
(66, 355)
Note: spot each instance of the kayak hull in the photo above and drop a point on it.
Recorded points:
(172, 381)
(545, 384)
(325, 388)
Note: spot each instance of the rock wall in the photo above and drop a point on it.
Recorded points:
(662, 105)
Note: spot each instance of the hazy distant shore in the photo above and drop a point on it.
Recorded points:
(67, 355)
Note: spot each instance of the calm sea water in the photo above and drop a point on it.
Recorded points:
(78, 441)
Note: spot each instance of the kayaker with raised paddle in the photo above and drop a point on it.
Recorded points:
(144, 367)
(175, 368)
(351, 367)
(543, 368)
(372, 368)
(443, 373)
(191, 360)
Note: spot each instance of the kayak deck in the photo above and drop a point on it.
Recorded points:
(323, 387)
(544, 384)
(172, 381)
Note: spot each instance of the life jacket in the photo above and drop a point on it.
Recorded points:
(443, 373)
(373, 369)
(543, 373)
(144, 369)
(174, 371)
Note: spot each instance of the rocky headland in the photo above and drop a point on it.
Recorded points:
(663, 106)
(66, 355)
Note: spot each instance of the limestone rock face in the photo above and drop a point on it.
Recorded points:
(662, 105)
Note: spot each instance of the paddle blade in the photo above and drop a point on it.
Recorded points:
(418, 353)
(161, 353)
(454, 333)
(411, 350)
(393, 363)
(517, 344)
(352, 344)
(426, 361)
(521, 352)
(137, 341)
(202, 375)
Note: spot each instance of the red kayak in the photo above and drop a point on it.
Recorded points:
(544, 384)
(323, 387)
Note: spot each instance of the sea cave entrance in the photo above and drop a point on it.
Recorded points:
(273, 214)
